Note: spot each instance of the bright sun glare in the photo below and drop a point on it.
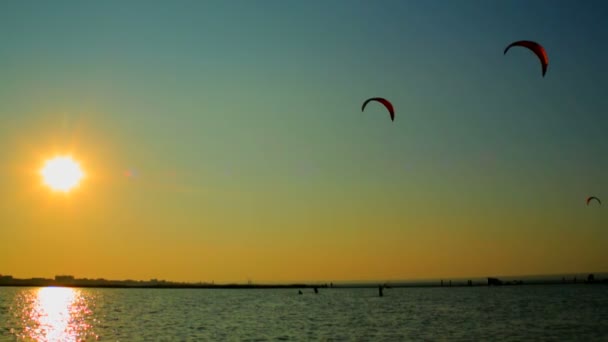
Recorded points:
(61, 174)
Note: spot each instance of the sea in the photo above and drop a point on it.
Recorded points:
(577, 312)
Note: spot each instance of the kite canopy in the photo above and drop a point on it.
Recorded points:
(534, 47)
(593, 198)
(385, 102)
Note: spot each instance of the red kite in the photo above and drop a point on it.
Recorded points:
(536, 48)
(386, 104)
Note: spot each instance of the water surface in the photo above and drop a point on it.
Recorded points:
(558, 312)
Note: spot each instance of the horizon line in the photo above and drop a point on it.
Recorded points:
(349, 281)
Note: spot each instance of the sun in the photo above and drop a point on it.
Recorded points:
(61, 173)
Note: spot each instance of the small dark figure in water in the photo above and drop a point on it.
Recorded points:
(590, 278)
(299, 292)
(316, 290)
(380, 290)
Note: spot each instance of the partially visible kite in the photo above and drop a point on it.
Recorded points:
(385, 102)
(593, 198)
(536, 48)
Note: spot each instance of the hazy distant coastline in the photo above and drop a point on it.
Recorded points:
(70, 281)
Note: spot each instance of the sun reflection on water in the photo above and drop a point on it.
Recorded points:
(56, 314)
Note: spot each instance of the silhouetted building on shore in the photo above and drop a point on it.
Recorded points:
(494, 282)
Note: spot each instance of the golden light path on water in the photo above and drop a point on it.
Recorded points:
(56, 314)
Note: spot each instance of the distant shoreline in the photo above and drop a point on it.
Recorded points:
(119, 285)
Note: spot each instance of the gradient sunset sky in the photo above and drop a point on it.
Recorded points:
(241, 122)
